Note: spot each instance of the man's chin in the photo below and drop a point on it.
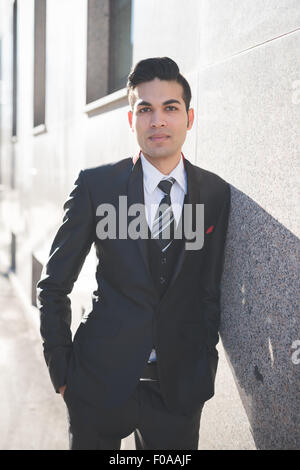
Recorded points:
(158, 153)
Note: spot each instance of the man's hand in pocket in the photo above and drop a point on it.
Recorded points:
(62, 390)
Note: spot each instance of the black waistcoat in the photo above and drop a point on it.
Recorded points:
(162, 264)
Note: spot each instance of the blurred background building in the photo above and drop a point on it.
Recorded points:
(63, 107)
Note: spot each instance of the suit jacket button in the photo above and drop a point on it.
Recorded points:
(162, 279)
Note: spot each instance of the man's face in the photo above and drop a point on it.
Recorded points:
(159, 118)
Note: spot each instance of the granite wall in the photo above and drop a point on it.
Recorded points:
(260, 321)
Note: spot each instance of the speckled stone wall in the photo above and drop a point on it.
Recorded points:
(260, 321)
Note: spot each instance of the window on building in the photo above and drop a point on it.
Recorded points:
(97, 49)
(39, 95)
(120, 45)
(109, 46)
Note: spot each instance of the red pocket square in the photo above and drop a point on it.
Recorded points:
(210, 229)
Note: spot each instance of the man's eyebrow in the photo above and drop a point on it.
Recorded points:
(146, 103)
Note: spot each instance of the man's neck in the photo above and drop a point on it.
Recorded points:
(164, 165)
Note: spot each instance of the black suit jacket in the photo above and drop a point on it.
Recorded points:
(104, 361)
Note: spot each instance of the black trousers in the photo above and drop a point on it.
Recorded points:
(144, 413)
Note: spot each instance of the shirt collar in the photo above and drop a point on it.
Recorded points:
(152, 176)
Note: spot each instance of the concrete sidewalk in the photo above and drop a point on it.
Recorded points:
(33, 416)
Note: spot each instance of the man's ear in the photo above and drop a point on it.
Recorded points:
(190, 118)
(130, 115)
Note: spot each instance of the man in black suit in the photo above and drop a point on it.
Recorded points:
(144, 359)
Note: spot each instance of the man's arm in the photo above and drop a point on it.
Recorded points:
(69, 249)
(212, 273)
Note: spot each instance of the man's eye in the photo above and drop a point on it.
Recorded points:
(147, 109)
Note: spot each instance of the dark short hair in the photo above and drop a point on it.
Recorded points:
(163, 68)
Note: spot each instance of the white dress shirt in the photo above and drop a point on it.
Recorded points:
(153, 195)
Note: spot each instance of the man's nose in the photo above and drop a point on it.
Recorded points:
(158, 119)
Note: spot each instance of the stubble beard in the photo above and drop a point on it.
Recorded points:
(160, 152)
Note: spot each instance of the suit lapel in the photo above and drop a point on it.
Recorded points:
(135, 194)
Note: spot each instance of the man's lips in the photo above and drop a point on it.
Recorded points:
(158, 137)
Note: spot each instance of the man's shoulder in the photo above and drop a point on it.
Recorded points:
(210, 180)
(108, 173)
(125, 164)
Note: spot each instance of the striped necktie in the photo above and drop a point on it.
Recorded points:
(163, 225)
